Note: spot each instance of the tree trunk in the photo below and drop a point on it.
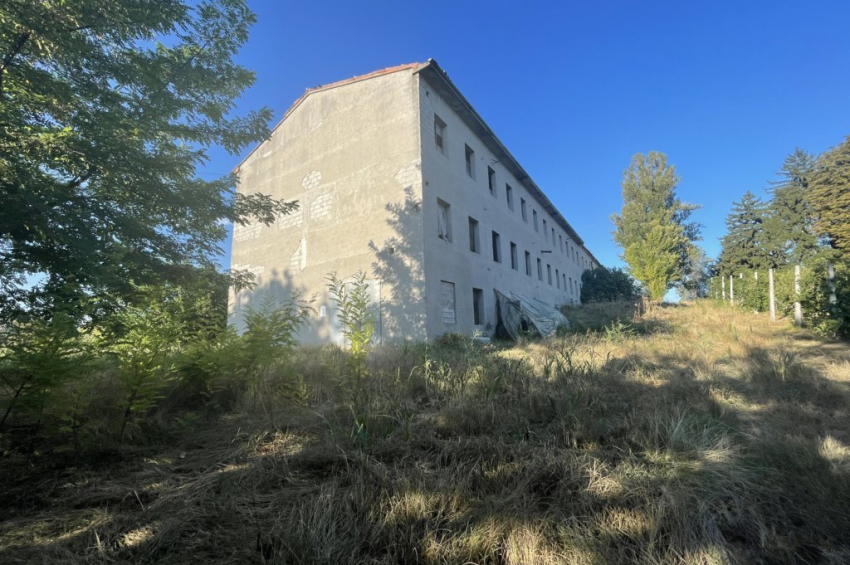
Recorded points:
(723, 286)
(798, 308)
(731, 290)
(772, 296)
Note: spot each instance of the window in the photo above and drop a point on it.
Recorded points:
(509, 196)
(553, 237)
(539, 270)
(444, 220)
(470, 162)
(497, 248)
(571, 285)
(523, 209)
(491, 181)
(561, 242)
(549, 273)
(514, 257)
(558, 279)
(564, 280)
(528, 263)
(534, 215)
(447, 298)
(474, 244)
(440, 134)
(477, 306)
(544, 229)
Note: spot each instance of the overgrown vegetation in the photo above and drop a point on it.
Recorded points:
(702, 434)
(800, 229)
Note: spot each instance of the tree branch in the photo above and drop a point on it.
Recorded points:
(16, 48)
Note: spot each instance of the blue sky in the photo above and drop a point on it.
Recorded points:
(574, 89)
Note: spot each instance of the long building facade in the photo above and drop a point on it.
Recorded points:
(397, 176)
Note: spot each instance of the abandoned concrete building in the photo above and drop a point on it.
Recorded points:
(397, 175)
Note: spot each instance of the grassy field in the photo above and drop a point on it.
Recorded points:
(698, 435)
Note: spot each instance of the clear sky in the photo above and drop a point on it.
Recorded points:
(575, 88)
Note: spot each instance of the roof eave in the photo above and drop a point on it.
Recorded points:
(441, 82)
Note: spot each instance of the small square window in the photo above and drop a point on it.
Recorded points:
(440, 134)
(514, 258)
(470, 162)
(491, 181)
(474, 244)
(444, 220)
(497, 248)
(509, 196)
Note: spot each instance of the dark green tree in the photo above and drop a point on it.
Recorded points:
(653, 228)
(789, 228)
(107, 110)
(606, 285)
(743, 246)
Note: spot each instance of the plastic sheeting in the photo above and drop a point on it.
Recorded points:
(520, 314)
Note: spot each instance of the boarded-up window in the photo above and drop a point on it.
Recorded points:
(447, 302)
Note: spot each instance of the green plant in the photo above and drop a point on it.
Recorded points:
(353, 303)
(36, 358)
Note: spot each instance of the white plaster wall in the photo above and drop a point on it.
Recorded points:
(350, 155)
(445, 177)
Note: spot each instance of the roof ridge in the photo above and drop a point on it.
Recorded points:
(320, 88)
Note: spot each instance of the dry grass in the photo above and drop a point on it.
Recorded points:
(703, 435)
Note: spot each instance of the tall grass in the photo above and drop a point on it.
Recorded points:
(702, 435)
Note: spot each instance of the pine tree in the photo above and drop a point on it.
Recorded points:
(790, 226)
(743, 244)
(652, 227)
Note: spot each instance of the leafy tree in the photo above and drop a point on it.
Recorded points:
(653, 227)
(829, 196)
(606, 285)
(108, 108)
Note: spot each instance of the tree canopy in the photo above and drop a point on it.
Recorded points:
(789, 229)
(829, 196)
(653, 228)
(107, 110)
(604, 285)
(744, 245)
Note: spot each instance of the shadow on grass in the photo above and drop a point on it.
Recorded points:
(644, 457)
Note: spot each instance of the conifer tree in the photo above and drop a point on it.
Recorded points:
(744, 242)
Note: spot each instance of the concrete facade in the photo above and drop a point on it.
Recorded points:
(365, 164)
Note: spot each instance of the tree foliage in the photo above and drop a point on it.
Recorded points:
(108, 108)
(744, 245)
(653, 228)
(829, 197)
(607, 285)
(789, 229)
